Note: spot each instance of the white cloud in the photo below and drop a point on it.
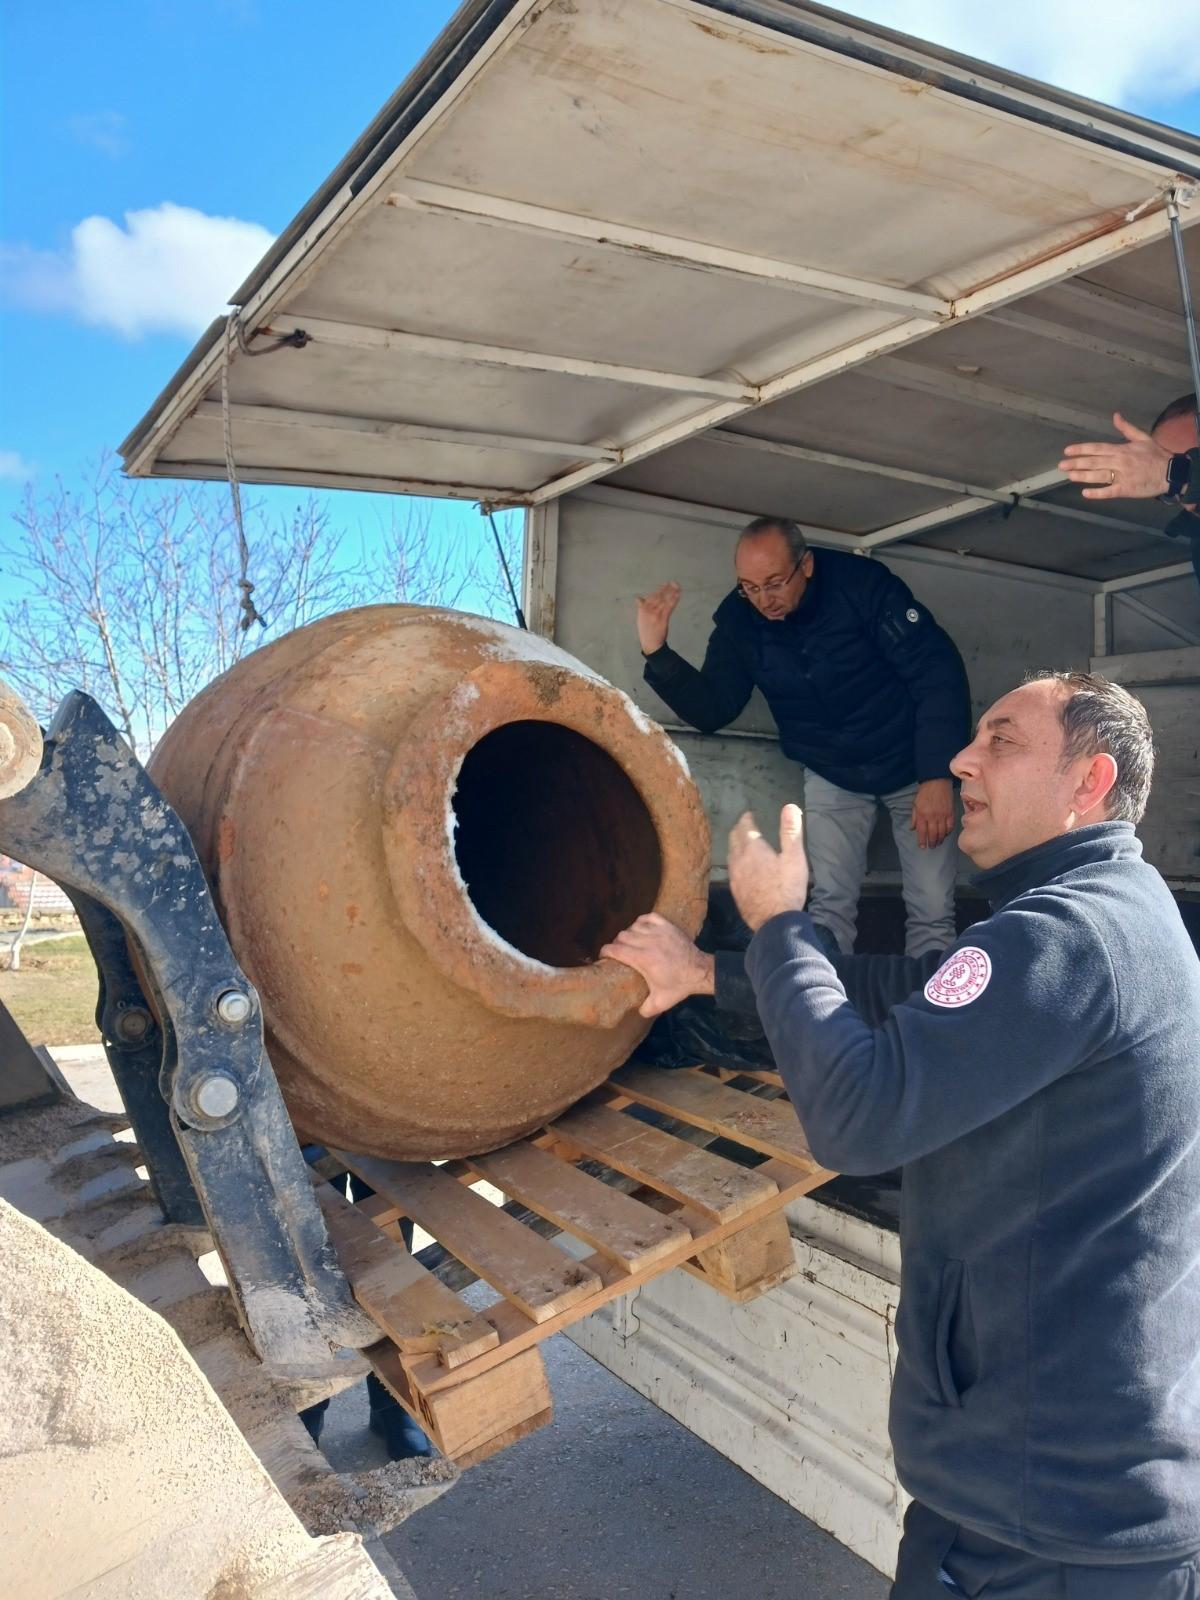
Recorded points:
(167, 270)
(14, 467)
(102, 130)
(1126, 55)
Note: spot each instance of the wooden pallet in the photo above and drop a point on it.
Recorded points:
(644, 1198)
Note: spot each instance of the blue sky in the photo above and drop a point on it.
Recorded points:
(240, 108)
(236, 108)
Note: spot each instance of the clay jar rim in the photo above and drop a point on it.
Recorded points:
(418, 817)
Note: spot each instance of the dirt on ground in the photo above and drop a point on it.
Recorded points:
(121, 1474)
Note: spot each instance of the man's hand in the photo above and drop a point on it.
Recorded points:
(1133, 471)
(666, 958)
(933, 812)
(654, 616)
(763, 883)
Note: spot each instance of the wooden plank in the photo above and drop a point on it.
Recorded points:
(407, 1303)
(719, 1188)
(534, 1274)
(380, 1211)
(617, 1225)
(480, 1414)
(770, 1126)
(501, 1441)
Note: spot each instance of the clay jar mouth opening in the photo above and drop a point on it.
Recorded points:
(531, 813)
(556, 847)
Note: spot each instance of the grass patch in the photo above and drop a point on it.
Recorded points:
(53, 996)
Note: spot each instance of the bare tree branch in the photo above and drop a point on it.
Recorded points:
(129, 590)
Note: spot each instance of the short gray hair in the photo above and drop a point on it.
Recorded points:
(791, 531)
(1100, 718)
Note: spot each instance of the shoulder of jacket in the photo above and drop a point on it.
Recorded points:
(855, 573)
(1061, 914)
(862, 584)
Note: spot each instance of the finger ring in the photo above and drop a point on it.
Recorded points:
(1112, 477)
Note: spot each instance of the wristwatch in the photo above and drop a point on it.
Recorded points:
(1179, 470)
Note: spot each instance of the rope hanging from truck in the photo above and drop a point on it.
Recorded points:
(250, 612)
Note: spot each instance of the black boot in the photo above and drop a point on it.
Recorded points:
(314, 1419)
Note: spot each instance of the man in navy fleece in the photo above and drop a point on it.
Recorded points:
(1040, 1086)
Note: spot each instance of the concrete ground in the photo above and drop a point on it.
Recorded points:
(612, 1499)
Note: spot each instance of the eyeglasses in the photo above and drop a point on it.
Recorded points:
(774, 586)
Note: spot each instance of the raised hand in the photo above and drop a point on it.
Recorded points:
(764, 883)
(1135, 470)
(654, 616)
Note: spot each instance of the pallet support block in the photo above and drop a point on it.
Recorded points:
(477, 1417)
(749, 1263)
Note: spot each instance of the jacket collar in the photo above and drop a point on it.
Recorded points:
(1100, 841)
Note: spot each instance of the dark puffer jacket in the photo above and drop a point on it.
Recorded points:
(865, 687)
(1186, 526)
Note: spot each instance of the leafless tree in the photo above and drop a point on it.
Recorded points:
(129, 591)
(14, 950)
(426, 562)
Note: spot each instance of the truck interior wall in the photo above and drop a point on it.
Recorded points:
(1158, 616)
(1155, 636)
(610, 551)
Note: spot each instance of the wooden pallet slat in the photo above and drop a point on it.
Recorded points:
(695, 1177)
(770, 1126)
(613, 1222)
(535, 1275)
(407, 1303)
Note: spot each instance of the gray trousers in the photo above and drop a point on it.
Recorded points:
(837, 829)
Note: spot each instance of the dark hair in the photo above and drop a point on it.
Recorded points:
(1185, 406)
(796, 542)
(1100, 718)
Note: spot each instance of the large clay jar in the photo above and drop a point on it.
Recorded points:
(420, 828)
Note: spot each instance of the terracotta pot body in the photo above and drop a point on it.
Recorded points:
(420, 827)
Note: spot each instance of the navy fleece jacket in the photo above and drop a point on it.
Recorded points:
(1042, 1092)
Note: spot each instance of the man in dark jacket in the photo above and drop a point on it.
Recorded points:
(867, 692)
(1164, 463)
(1040, 1087)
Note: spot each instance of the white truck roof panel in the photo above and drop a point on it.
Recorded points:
(698, 248)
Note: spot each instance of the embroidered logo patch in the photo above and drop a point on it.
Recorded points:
(961, 979)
